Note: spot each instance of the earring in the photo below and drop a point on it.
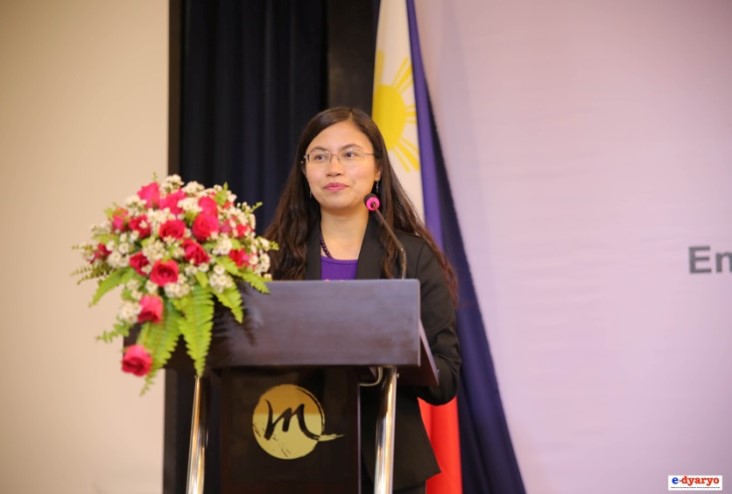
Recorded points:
(376, 187)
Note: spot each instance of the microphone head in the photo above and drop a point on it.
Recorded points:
(372, 202)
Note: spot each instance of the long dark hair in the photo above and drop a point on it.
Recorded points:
(297, 213)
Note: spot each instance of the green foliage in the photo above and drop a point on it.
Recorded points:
(120, 329)
(202, 278)
(229, 265)
(231, 298)
(255, 281)
(91, 272)
(160, 340)
(196, 324)
(111, 282)
(222, 195)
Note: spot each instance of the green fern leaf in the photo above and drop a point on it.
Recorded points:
(160, 340)
(112, 281)
(256, 281)
(120, 329)
(202, 278)
(196, 324)
(229, 265)
(231, 298)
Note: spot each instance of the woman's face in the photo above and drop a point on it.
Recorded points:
(340, 169)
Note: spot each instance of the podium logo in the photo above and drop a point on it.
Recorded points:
(289, 422)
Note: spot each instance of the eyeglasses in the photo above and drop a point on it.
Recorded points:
(346, 156)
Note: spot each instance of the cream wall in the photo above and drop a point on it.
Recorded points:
(83, 123)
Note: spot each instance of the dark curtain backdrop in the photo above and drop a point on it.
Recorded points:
(252, 74)
(245, 78)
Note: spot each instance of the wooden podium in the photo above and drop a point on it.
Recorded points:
(290, 377)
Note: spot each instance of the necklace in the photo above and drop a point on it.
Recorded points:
(325, 247)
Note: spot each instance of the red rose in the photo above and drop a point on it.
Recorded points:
(150, 193)
(101, 252)
(139, 261)
(242, 230)
(164, 272)
(151, 309)
(172, 229)
(136, 361)
(194, 252)
(239, 256)
(208, 206)
(204, 226)
(140, 225)
(119, 219)
(171, 201)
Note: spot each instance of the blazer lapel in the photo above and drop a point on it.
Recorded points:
(312, 263)
(369, 259)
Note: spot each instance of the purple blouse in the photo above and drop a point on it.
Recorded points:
(335, 269)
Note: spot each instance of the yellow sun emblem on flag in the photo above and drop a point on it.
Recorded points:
(393, 114)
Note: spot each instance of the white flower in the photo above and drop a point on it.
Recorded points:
(151, 287)
(128, 312)
(220, 281)
(125, 248)
(117, 260)
(171, 183)
(263, 266)
(178, 289)
(135, 201)
(154, 251)
(223, 246)
(158, 217)
(190, 205)
(193, 188)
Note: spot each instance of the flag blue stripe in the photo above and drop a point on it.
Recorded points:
(488, 460)
(426, 156)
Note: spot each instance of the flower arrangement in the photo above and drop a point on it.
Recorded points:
(174, 250)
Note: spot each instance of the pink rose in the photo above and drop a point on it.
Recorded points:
(151, 309)
(172, 229)
(239, 256)
(225, 227)
(208, 205)
(136, 361)
(194, 252)
(150, 193)
(171, 201)
(139, 261)
(140, 225)
(119, 219)
(204, 226)
(164, 272)
(101, 252)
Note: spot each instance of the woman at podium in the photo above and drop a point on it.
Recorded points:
(325, 231)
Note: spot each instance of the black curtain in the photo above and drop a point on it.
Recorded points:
(245, 77)
(252, 74)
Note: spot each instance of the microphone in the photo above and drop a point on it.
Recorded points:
(372, 204)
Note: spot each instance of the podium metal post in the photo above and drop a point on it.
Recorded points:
(199, 433)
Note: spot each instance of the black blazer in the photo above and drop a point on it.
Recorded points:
(414, 460)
